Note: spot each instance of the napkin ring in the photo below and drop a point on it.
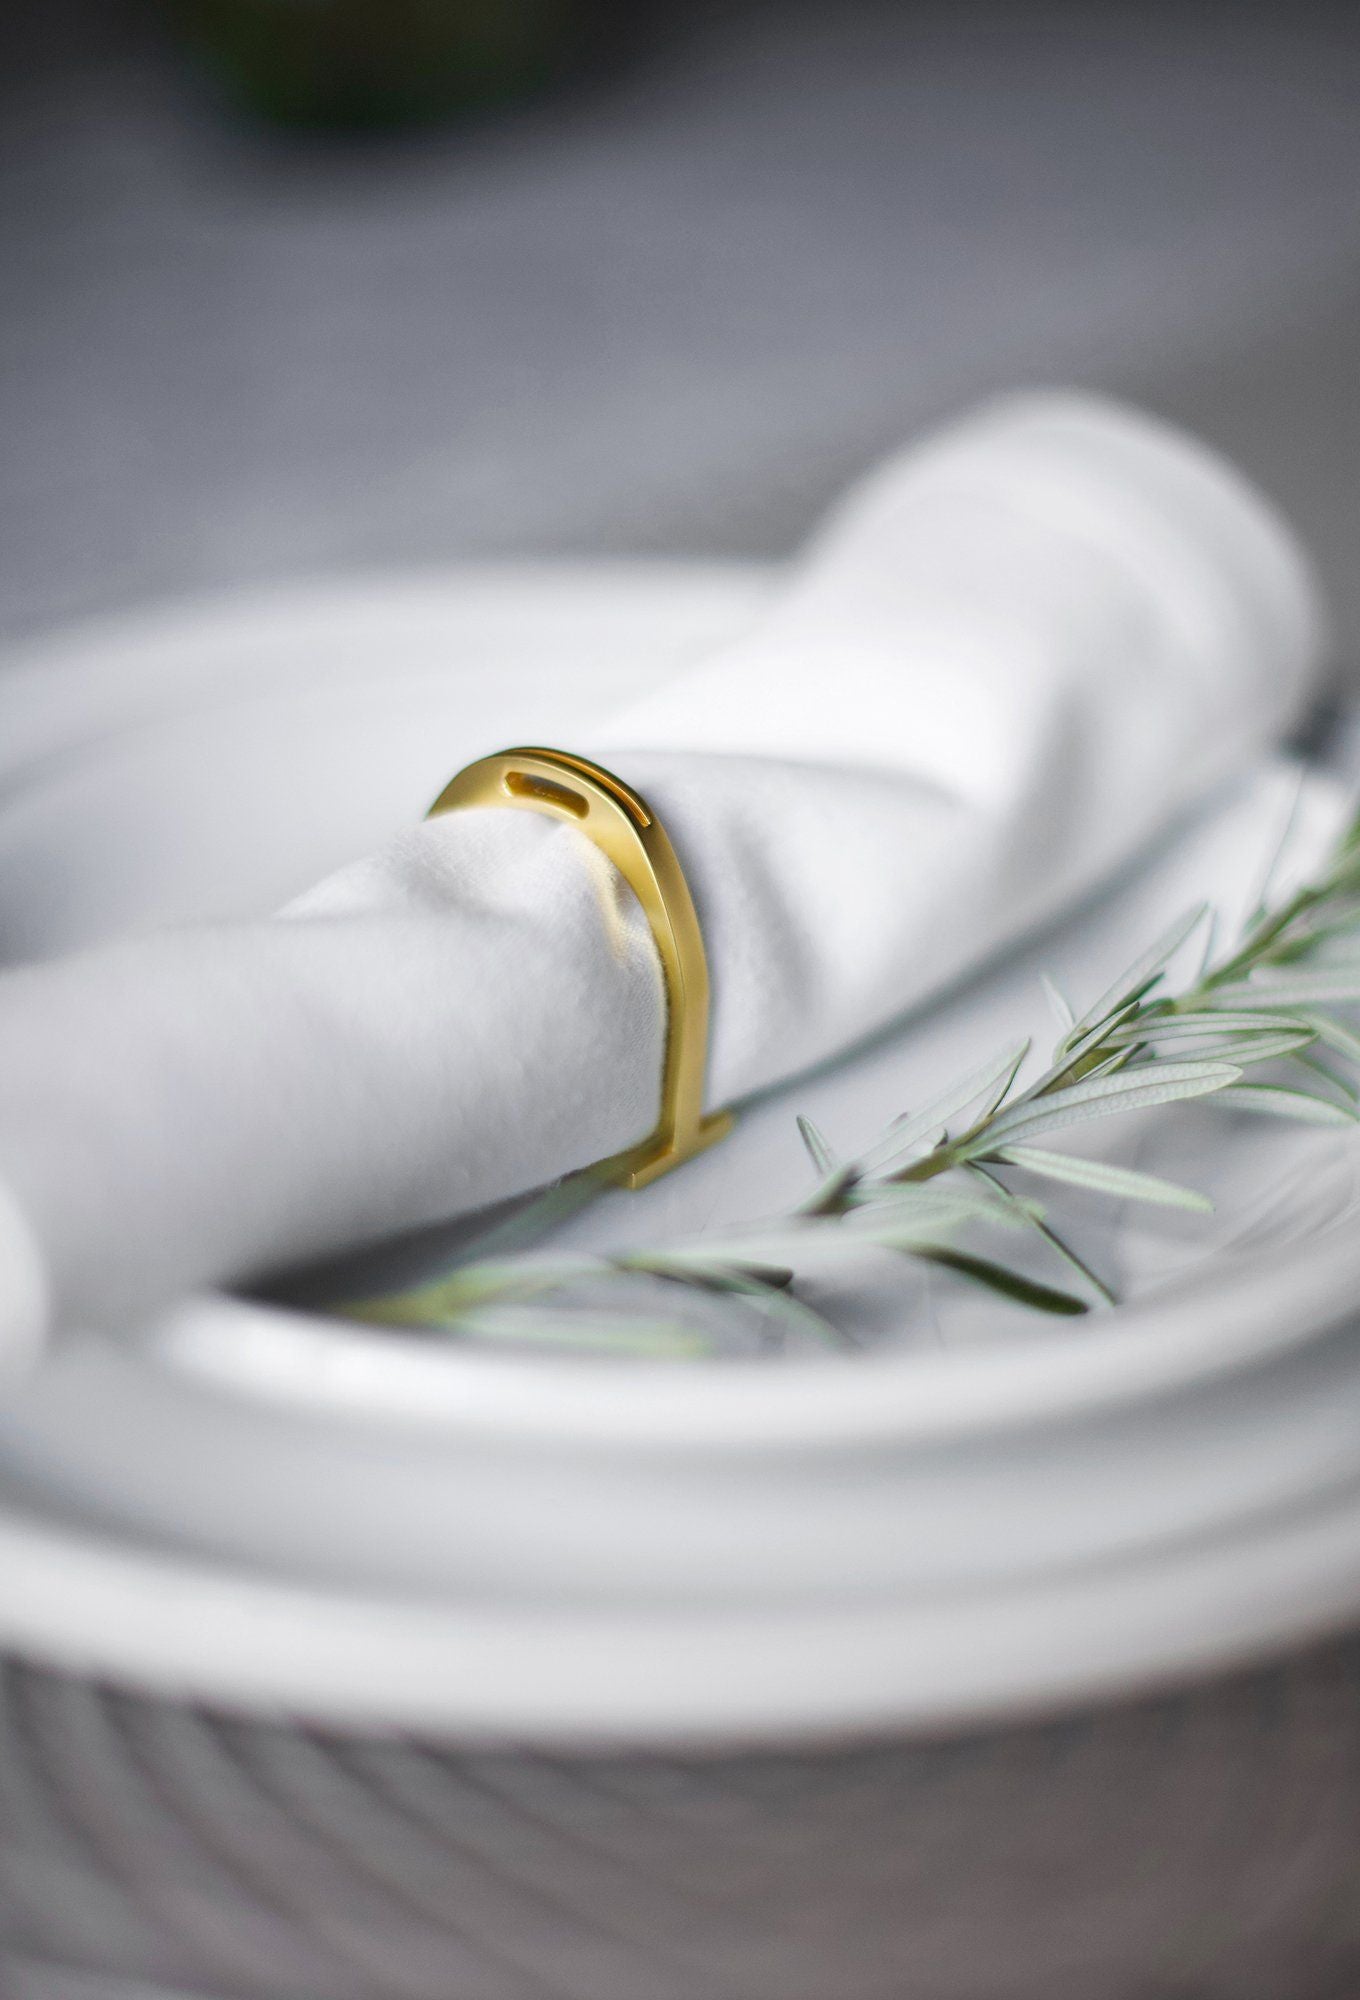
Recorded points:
(624, 827)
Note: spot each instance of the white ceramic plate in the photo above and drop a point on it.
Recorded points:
(273, 1509)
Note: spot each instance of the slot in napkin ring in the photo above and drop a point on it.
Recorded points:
(624, 827)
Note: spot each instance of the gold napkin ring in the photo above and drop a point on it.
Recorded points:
(624, 827)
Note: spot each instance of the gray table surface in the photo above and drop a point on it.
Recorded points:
(669, 313)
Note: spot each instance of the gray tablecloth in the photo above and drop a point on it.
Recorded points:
(670, 312)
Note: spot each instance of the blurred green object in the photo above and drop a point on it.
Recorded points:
(372, 64)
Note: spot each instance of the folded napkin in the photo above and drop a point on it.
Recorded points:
(1014, 655)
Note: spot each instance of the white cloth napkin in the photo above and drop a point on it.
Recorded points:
(1016, 653)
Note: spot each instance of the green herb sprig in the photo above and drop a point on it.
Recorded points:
(940, 1174)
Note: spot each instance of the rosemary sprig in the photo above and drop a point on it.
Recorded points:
(941, 1176)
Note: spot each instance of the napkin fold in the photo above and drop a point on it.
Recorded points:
(1014, 655)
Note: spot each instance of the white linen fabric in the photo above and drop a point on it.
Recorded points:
(1015, 655)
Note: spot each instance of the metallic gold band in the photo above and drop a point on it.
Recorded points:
(624, 827)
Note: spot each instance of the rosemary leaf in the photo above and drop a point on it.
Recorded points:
(819, 1152)
(473, 1286)
(1103, 1178)
(1279, 1103)
(1248, 1050)
(1057, 1244)
(924, 1124)
(1133, 1090)
(1176, 1027)
(1010, 1284)
(632, 1336)
(1145, 970)
(1059, 1004)
(1283, 989)
(1333, 1034)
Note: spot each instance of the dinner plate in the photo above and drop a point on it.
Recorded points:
(981, 1513)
